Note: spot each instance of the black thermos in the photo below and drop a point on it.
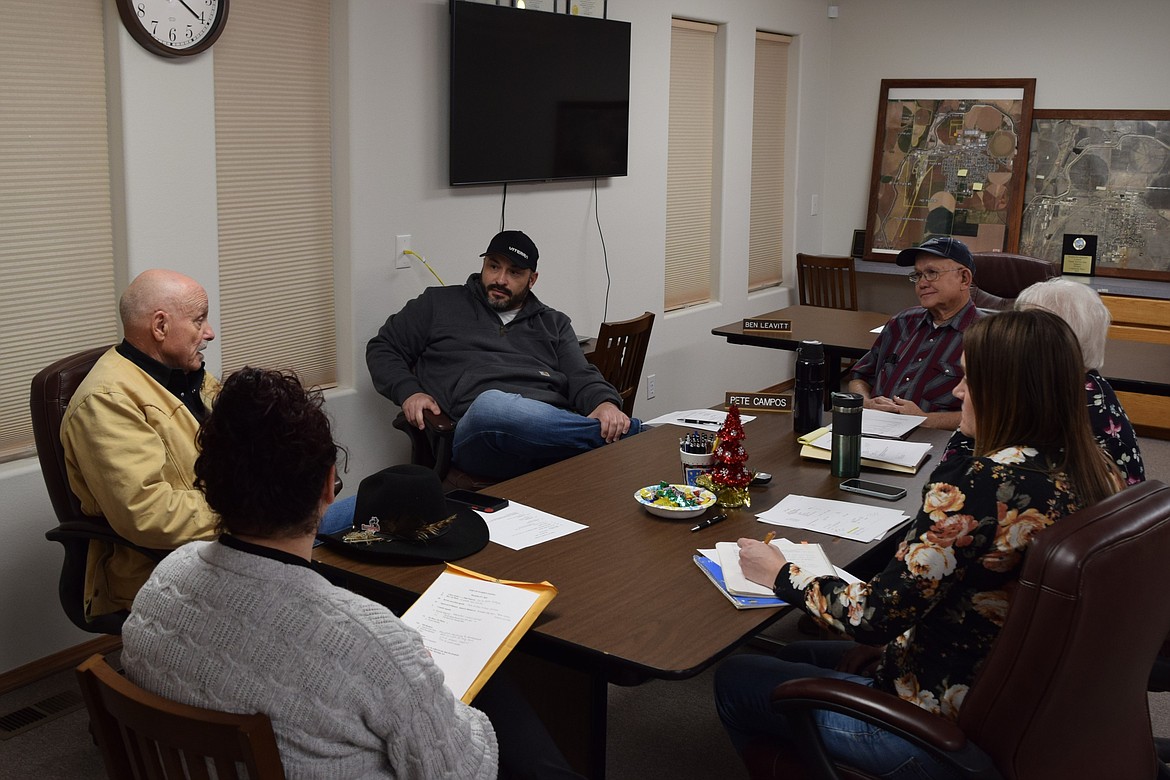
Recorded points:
(810, 387)
(846, 456)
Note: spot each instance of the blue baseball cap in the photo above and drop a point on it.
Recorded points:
(940, 246)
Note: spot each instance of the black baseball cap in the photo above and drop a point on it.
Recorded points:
(516, 246)
(940, 246)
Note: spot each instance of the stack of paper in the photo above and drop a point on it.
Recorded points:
(889, 454)
(859, 522)
(703, 419)
(887, 424)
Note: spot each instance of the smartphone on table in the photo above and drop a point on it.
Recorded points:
(875, 489)
(478, 501)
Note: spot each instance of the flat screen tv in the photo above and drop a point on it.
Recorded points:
(537, 96)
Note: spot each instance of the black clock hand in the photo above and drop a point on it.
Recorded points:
(189, 9)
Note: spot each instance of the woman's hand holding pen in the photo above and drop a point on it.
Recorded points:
(760, 561)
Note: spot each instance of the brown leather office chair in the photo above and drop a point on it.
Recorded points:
(49, 396)
(826, 281)
(620, 355)
(1001, 276)
(142, 735)
(1063, 692)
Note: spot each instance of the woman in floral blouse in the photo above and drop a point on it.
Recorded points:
(940, 603)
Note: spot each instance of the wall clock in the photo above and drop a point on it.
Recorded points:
(174, 28)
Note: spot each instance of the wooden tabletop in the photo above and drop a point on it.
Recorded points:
(846, 333)
(631, 599)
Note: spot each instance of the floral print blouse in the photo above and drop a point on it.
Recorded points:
(1112, 428)
(940, 603)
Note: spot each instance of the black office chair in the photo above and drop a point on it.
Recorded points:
(49, 396)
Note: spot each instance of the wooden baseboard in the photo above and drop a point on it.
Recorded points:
(57, 662)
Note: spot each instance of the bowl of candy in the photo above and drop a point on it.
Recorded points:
(678, 502)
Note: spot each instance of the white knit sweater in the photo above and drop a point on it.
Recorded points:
(351, 690)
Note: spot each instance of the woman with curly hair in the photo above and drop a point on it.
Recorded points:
(927, 621)
(244, 624)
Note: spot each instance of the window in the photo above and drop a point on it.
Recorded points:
(274, 181)
(56, 239)
(766, 221)
(690, 164)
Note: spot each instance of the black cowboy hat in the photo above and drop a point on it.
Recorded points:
(404, 510)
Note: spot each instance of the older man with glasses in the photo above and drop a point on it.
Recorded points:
(913, 367)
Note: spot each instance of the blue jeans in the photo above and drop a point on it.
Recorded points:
(338, 517)
(503, 435)
(743, 689)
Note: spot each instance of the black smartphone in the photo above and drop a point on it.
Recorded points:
(479, 501)
(875, 489)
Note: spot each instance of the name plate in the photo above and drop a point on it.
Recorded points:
(760, 402)
(782, 326)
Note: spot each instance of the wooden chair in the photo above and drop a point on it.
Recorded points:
(49, 396)
(1001, 276)
(825, 281)
(620, 355)
(142, 735)
(1063, 692)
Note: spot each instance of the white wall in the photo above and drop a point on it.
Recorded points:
(389, 152)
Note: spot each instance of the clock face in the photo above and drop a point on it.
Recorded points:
(174, 28)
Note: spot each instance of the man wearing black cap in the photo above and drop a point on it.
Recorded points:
(504, 365)
(914, 364)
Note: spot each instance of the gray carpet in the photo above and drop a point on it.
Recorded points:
(660, 729)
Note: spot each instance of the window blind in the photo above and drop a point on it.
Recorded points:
(690, 161)
(769, 115)
(56, 240)
(274, 182)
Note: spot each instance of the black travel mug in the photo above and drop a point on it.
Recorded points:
(846, 456)
(810, 387)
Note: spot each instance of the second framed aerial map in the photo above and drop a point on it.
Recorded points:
(949, 160)
(1102, 174)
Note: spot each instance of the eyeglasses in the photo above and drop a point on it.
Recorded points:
(930, 275)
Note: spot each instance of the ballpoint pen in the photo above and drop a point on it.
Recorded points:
(689, 421)
(768, 537)
(710, 521)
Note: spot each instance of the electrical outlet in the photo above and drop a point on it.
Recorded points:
(649, 386)
(401, 245)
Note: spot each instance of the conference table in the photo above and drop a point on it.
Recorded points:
(632, 604)
(1130, 366)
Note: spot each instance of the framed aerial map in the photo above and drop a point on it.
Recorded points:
(1102, 175)
(949, 159)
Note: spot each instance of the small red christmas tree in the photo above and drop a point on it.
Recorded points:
(729, 478)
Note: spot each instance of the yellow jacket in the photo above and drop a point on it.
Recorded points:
(130, 455)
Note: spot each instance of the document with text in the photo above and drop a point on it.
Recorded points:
(470, 622)
(517, 526)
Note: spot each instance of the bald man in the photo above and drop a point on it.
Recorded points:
(129, 434)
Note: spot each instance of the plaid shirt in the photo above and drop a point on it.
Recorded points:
(913, 359)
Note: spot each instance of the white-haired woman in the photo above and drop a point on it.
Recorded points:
(1080, 306)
